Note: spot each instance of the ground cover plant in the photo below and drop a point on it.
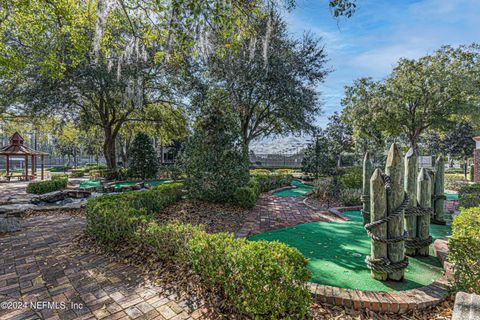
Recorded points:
(261, 280)
(464, 245)
(42, 187)
(470, 196)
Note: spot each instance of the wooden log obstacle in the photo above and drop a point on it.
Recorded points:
(398, 206)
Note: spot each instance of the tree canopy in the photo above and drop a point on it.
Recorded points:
(429, 93)
(270, 79)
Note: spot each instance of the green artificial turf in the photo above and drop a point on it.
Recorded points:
(336, 253)
(90, 184)
(157, 182)
(451, 196)
(300, 190)
(147, 183)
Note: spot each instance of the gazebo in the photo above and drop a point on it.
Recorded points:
(16, 148)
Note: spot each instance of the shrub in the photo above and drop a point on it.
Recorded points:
(470, 195)
(262, 280)
(455, 181)
(285, 171)
(350, 197)
(471, 173)
(464, 245)
(245, 197)
(117, 216)
(143, 158)
(260, 171)
(109, 174)
(352, 178)
(59, 176)
(42, 187)
(322, 185)
(271, 182)
(215, 160)
(77, 174)
(254, 185)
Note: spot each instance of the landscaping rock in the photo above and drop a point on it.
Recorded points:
(467, 307)
(78, 194)
(10, 224)
(49, 197)
(11, 209)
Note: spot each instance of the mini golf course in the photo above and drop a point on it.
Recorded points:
(300, 189)
(336, 252)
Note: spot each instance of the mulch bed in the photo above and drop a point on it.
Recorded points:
(323, 204)
(215, 217)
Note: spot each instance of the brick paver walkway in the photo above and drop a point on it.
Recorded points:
(40, 264)
(272, 212)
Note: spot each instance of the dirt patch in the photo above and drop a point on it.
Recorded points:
(215, 217)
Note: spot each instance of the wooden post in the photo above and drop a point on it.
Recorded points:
(26, 168)
(439, 189)
(424, 195)
(378, 207)
(42, 165)
(411, 168)
(367, 174)
(395, 227)
(8, 165)
(33, 166)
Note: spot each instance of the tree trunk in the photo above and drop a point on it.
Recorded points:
(109, 148)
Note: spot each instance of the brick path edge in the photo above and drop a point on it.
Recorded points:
(387, 302)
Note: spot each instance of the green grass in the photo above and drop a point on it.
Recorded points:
(336, 252)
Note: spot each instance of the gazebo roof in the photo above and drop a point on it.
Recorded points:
(17, 148)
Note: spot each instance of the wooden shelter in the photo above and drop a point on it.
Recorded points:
(17, 148)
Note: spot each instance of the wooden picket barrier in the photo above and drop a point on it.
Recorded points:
(402, 202)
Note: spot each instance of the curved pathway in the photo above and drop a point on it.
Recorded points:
(273, 212)
(42, 276)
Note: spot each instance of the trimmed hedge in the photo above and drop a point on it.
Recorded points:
(464, 245)
(117, 216)
(352, 178)
(42, 187)
(470, 196)
(271, 182)
(247, 196)
(262, 280)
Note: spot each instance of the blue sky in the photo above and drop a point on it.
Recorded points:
(380, 32)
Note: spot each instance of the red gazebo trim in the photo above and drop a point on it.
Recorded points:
(16, 148)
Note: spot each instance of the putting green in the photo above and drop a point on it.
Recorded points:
(336, 253)
(300, 190)
(147, 183)
(90, 184)
(452, 196)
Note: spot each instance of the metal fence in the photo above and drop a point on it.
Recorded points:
(276, 160)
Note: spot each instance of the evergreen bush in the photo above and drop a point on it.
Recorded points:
(214, 160)
(464, 245)
(42, 187)
(143, 158)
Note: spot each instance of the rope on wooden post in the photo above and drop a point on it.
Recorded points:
(385, 264)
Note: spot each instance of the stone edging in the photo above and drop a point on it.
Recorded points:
(389, 302)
